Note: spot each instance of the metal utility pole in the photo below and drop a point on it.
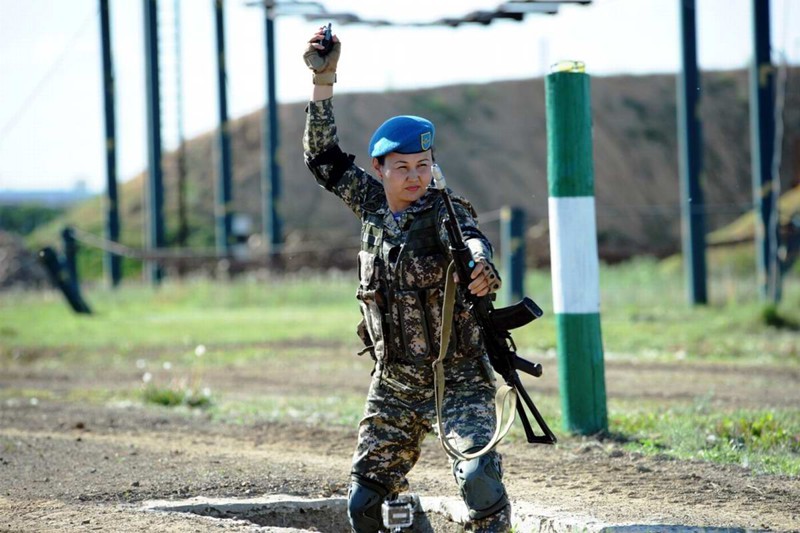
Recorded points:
(111, 262)
(512, 245)
(691, 160)
(270, 169)
(762, 141)
(155, 185)
(222, 209)
(183, 222)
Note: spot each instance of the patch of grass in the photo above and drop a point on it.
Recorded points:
(644, 314)
(341, 410)
(191, 361)
(764, 440)
(12, 396)
(8, 332)
(101, 395)
(773, 317)
(190, 313)
(176, 386)
(172, 397)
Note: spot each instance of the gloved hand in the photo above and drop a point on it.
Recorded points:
(484, 278)
(324, 67)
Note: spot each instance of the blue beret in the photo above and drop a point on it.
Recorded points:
(405, 134)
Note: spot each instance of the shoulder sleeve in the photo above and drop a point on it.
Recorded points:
(476, 241)
(333, 169)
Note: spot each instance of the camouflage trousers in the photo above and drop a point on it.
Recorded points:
(397, 418)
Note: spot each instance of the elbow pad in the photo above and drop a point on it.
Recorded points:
(337, 161)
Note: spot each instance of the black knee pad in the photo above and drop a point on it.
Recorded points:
(481, 484)
(364, 500)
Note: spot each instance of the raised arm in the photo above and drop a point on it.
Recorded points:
(333, 169)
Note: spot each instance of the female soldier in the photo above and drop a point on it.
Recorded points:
(402, 264)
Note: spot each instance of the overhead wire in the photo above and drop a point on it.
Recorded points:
(484, 17)
(36, 91)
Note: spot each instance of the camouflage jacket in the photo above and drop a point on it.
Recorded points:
(402, 264)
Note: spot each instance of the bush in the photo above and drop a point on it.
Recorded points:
(25, 218)
(771, 316)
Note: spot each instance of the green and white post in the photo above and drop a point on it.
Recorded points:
(573, 250)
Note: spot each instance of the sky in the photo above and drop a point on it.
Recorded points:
(51, 105)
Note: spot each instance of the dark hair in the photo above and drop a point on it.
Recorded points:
(382, 158)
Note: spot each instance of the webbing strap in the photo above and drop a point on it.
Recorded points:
(505, 394)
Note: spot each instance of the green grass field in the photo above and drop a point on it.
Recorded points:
(643, 306)
(644, 317)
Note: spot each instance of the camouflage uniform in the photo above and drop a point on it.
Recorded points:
(402, 266)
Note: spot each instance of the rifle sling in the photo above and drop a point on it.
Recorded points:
(506, 395)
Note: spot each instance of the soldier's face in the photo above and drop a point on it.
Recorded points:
(405, 177)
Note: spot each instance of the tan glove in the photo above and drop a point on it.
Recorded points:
(324, 67)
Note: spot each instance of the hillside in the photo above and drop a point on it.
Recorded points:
(491, 142)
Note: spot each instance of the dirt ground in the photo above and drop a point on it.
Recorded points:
(85, 466)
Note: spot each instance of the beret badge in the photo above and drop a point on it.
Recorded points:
(425, 140)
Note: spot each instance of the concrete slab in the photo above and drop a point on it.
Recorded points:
(291, 514)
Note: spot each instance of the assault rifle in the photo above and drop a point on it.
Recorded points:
(495, 324)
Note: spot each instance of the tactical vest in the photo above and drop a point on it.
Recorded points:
(401, 286)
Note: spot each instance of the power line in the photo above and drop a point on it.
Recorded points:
(514, 10)
(22, 109)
